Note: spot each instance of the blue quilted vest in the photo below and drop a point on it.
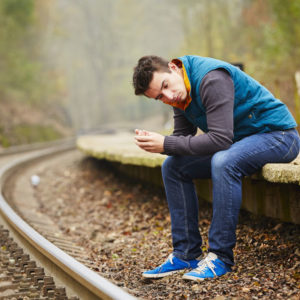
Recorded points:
(256, 110)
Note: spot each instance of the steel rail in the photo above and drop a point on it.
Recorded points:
(35, 146)
(96, 286)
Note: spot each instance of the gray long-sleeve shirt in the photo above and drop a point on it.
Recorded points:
(217, 94)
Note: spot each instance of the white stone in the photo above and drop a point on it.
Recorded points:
(35, 180)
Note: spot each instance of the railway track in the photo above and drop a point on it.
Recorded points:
(37, 260)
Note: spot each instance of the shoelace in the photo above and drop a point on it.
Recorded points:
(206, 263)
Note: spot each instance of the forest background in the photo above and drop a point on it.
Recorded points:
(66, 66)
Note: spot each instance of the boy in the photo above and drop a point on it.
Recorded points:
(244, 127)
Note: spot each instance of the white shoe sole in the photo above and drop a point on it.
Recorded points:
(160, 275)
(188, 277)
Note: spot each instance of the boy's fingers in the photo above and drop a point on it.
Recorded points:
(143, 143)
(142, 138)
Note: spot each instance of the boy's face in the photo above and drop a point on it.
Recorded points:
(168, 87)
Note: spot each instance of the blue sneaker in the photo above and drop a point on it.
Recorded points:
(209, 267)
(170, 266)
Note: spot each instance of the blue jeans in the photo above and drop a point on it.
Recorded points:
(226, 169)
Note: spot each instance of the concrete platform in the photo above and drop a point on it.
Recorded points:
(274, 192)
(118, 148)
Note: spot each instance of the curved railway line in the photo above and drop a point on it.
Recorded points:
(35, 261)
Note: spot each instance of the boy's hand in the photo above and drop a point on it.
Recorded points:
(149, 141)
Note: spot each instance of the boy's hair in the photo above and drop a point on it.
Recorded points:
(143, 72)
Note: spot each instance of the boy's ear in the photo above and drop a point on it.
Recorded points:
(172, 66)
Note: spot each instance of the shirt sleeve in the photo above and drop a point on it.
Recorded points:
(217, 94)
(182, 126)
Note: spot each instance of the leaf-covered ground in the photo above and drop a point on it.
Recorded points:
(125, 227)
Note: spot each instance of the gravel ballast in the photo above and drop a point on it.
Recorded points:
(125, 228)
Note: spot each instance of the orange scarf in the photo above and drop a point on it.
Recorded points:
(183, 105)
